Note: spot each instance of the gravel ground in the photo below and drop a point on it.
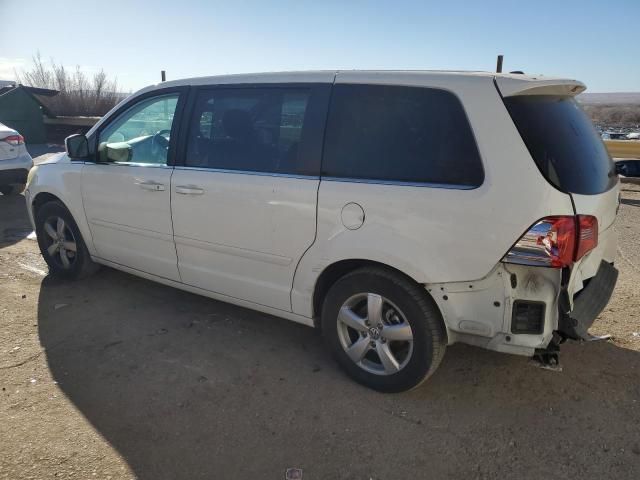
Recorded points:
(118, 377)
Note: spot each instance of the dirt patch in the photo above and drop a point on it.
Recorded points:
(118, 377)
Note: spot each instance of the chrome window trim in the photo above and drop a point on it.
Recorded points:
(448, 186)
(130, 164)
(249, 172)
(331, 179)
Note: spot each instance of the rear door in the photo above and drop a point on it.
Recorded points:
(244, 198)
(571, 155)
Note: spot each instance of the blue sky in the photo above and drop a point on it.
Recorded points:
(594, 41)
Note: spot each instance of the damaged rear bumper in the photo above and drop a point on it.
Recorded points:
(588, 303)
(525, 310)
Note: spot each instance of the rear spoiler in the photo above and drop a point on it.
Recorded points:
(514, 85)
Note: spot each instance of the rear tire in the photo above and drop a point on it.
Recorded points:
(15, 189)
(383, 329)
(61, 243)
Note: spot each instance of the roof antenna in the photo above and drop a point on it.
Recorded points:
(499, 64)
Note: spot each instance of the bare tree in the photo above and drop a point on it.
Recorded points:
(614, 115)
(79, 95)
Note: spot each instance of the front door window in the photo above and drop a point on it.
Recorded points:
(141, 135)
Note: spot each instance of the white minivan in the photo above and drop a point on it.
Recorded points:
(398, 211)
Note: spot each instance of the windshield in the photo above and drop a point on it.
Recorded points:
(563, 142)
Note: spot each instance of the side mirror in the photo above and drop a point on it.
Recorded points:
(77, 146)
(114, 152)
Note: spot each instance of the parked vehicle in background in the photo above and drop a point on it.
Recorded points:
(15, 161)
(400, 212)
(629, 171)
(615, 136)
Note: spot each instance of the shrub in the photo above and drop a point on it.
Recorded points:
(614, 115)
(79, 95)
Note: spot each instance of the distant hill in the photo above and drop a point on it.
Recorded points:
(617, 98)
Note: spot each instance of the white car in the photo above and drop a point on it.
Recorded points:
(400, 212)
(15, 161)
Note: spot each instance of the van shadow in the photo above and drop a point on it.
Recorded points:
(186, 387)
(14, 221)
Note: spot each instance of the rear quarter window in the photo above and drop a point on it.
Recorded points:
(400, 134)
(563, 142)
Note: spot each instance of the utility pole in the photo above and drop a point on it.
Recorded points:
(163, 76)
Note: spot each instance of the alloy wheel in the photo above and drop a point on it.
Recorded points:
(375, 334)
(60, 242)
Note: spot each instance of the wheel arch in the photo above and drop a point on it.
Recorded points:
(44, 197)
(338, 269)
(72, 202)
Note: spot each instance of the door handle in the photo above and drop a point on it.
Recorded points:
(151, 185)
(189, 190)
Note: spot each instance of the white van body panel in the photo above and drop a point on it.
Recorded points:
(439, 235)
(451, 240)
(242, 235)
(60, 177)
(479, 313)
(604, 207)
(130, 222)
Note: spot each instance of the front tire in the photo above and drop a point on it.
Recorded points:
(61, 243)
(383, 329)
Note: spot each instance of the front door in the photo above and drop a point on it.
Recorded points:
(126, 192)
(244, 200)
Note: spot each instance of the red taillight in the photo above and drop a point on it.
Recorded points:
(556, 241)
(13, 139)
(587, 235)
(560, 240)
